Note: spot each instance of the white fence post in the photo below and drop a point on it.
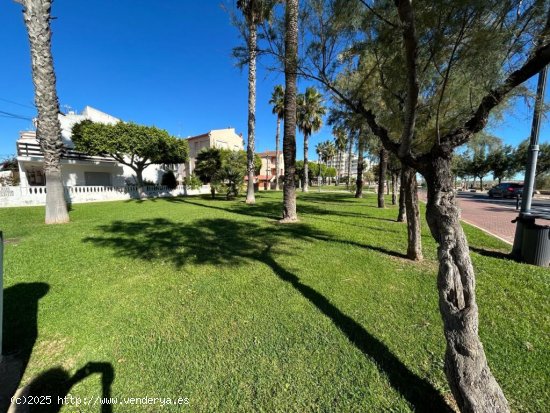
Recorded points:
(14, 196)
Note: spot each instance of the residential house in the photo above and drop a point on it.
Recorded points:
(217, 138)
(77, 169)
(268, 171)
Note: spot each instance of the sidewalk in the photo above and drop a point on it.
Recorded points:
(491, 218)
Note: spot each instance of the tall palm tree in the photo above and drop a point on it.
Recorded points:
(310, 113)
(255, 12)
(278, 102)
(340, 141)
(289, 138)
(36, 14)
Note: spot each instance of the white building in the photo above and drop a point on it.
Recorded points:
(341, 161)
(77, 169)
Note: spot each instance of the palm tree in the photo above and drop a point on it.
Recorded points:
(320, 150)
(289, 138)
(310, 113)
(340, 141)
(278, 102)
(330, 153)
(254, 12)
(36, 14)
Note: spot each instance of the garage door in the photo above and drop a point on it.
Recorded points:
(97, 178)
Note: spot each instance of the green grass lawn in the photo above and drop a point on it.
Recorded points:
(214, 301)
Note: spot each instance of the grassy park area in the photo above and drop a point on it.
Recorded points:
(214, 301)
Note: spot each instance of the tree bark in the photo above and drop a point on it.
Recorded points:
(139, 182)
(305, 184)
(382, 169)
(252, 39)
(36, 14)
(289, 137)
(401, 214)
(277, 154)
(350, 153)
(360, 167)
(393, 188)
(472, 383)
(414, 232)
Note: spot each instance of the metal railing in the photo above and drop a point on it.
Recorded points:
(34, 149)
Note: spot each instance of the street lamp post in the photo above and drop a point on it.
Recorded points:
(530, 170)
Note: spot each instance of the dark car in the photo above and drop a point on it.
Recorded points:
(506, 190)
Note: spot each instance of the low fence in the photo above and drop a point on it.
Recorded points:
(14, 196)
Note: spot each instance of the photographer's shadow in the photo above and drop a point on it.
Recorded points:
(48, 391)
(20, 331)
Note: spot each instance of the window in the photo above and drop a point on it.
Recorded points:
(36, 177)
(97, 178)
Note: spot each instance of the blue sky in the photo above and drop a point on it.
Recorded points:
(165, 63)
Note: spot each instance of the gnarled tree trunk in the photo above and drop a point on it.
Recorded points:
(382, 169)
(37, 17)
(252, 39)
(472, 383)
(289, 138)
(414, 233)
(401, 214)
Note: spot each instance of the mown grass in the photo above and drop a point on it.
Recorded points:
(214, 301)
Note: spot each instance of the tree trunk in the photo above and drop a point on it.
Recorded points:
(339, 171)
(36, 14)
(250, 198)
(305, 184)
(350, 152)
(382, 168)
(481, 183)
(470, 379)
(401, 215)
(139, 182)
(360, 167)
(277, 166)
(393, 188)
(414, 233)
(289, 137)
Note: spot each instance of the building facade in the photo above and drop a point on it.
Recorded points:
(341, 162)
(77, 169)
(268, 171)
(216, 138)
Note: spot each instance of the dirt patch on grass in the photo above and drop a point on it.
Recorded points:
(13, 241)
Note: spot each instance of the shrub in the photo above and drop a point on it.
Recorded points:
(192, 182)
(169, 180)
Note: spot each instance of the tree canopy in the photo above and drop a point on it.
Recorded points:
(130, 144)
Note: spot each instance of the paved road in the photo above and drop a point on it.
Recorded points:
(495, 215)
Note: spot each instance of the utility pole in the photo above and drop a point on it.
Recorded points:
(532, 156)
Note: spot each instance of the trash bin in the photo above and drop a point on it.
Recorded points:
(535, 246)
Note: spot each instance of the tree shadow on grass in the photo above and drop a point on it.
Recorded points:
(492, 253)
(233, 243)
(272, 209)
(20, 333)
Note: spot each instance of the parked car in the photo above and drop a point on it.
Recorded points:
(506, 190)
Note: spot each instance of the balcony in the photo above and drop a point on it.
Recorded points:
(34, 150)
